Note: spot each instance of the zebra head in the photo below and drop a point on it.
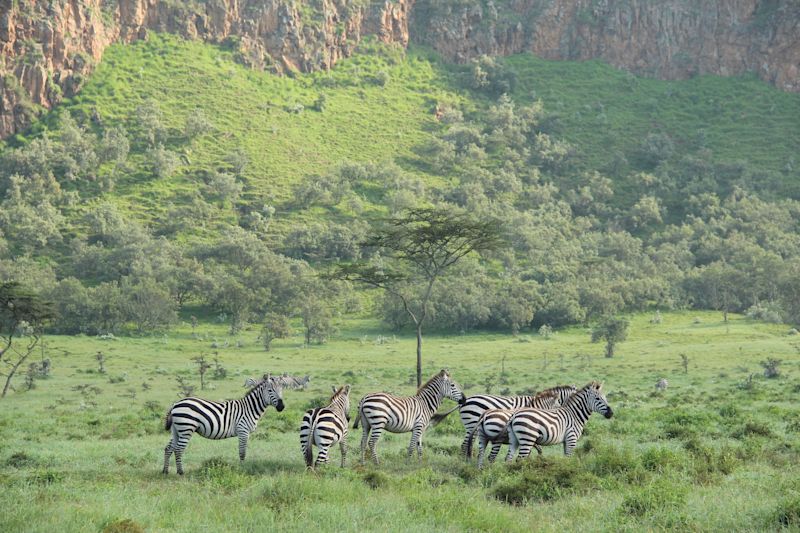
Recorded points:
(596, 399)
(452, 390)
(272, 393)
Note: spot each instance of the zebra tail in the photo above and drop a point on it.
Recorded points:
(308, 452)
(358, 419)
(168, 421)
(438, 417)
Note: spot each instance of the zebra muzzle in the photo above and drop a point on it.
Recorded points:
(280, 406)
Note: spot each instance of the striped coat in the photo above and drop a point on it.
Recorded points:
(325, 426)
(533, 428)
(219, 420)
(400, 414)
(476, 405)
(492, 426)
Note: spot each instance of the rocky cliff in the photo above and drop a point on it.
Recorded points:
(47, 47)
(662, 38)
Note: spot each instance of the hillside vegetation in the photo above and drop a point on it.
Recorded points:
(180, 173)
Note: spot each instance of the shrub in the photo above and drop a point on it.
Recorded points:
(661, 460)
(542, 479)
(21, 460)
(662, 495)
(375, 479)
(125, 525)
(786, 514)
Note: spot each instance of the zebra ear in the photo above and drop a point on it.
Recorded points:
(250, 382)
(334, 388)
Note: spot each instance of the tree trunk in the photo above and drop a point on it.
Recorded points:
(419, 355)
(12, 372)
(609, 349)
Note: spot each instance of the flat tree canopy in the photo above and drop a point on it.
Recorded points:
(419, 246)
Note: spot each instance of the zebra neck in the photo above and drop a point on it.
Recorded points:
(431, 397)
(579, 410)
(254, 402)
(337, 406)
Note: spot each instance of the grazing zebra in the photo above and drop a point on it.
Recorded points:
(286, 381)
(532, 428)
(475, 406)
(325, 426)
(219, 420)
(491, 426)
(401, 414)
(662, 384)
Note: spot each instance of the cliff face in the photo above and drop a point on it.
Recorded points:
(47, 47)
(665, 38)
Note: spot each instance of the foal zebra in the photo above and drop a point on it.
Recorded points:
(532, 428)
(492, 425)
(476, 405)
(401, 414)
(325, 426)
(219, 420)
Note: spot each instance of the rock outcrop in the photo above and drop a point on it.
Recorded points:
(47, 47)
(666, 38)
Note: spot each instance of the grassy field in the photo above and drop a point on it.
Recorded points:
(716, 451)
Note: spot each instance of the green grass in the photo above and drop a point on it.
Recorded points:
(707, 454)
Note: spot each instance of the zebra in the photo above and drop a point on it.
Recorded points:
(532, 428)
(662, 385)
(293, 382)
(325, 426)
(491, 426)
(475, 406)
(401, 414)
(219, 420)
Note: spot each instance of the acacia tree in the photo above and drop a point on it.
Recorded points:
(417, 247)
(613, 330)
(22, 314)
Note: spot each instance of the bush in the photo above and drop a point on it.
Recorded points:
(786, 514)
(661, 460)
(541, 479)
(662, 495)
(126, 525)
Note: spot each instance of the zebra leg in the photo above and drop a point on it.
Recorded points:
(375, 434)
(465, 444)
(525, 450)
(570, 441)
(243, 437)
(538, 448)
(495, 451)
(481, 449)
(343, 448)
(167, 455)
(513, 443)
(179, 443)
(416, 436)
(322, 456)
(364, 438)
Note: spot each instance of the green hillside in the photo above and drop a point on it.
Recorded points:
(616, 192)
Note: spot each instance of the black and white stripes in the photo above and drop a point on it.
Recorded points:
(530, 428)
(400, 414)
(476, 405)
(325, 426)
(219, 420)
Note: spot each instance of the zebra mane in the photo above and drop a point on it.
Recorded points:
(253, 384)
(338, 392)
(442, 372)
(598, 386)
(549, 393)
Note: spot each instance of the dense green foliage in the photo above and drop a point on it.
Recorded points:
(717, 451)
(180, 181)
